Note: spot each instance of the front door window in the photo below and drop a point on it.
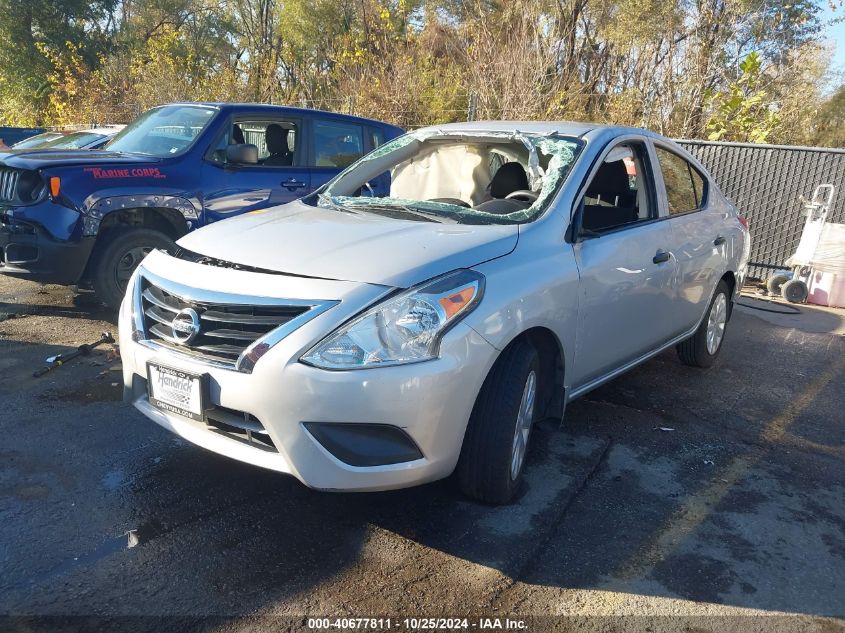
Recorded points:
(620, 192)
(275, 140)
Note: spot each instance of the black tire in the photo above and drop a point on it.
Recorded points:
(484, 468)
(795, 291)
(120, 252)
(775, 283)
(693, 351)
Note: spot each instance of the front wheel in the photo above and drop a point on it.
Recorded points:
(122, 251)
(702, 348)
(496, 440)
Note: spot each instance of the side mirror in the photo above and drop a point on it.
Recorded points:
(245, 154)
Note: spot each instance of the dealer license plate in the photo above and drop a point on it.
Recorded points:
(176, 391)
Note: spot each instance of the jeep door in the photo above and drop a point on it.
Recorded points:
(627, 272)
(698, 234)
(280, 175)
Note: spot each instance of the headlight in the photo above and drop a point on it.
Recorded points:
(406, 328)
(30, 186)
(132, 306)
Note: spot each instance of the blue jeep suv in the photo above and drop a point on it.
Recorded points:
(83, 217)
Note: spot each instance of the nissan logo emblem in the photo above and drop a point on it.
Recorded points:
(185, 326)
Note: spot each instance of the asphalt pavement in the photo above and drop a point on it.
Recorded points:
(672, 498)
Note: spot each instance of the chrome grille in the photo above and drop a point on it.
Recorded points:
(226, 331)
(8, 184)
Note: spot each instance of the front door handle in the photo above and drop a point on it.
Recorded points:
(719, 241)
(661, 256)
(293, 183)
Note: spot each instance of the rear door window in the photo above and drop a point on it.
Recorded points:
(337, 145)
(698, 186)
(685, 187)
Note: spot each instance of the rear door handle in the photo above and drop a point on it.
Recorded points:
(719, 241)
(661, 256)
(293, 183)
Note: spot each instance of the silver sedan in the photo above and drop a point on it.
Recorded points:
(362, 341)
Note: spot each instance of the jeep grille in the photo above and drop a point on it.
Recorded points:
(8, 184)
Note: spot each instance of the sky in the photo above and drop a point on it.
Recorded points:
(835, 34)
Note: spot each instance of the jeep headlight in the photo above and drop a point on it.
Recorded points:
(406, 328)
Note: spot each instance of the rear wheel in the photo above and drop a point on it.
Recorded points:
(496, 440)
(702, 348)
(122, 251)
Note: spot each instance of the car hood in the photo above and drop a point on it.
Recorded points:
(299, 239)
(42, 158)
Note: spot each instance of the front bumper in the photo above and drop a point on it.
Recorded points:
(29, 250)
(430, 402)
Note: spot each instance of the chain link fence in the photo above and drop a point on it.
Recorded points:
(765, 183)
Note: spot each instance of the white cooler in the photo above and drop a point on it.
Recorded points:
(827, 281)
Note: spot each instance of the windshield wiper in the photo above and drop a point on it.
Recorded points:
(392, 210)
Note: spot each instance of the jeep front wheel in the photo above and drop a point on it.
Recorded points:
(122, 251)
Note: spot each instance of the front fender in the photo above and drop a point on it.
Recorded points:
(528, 289)
(98, 206)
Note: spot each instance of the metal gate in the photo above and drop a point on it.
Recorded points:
(765, 183)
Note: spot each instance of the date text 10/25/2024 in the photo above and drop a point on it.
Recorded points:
(423, 623)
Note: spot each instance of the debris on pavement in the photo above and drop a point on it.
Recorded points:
(12, 315)
(83, 350)
(118, 368)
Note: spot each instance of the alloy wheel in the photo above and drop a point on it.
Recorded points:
(127, 264)
(524, 419)
(716, 323)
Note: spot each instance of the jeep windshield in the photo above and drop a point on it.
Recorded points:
(163, 131)
(456, 177)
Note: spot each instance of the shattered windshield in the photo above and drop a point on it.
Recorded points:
(456, 177)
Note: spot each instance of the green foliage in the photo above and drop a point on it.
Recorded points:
(32, 34)
(742, 111)
(828, 125)
(727, 69)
